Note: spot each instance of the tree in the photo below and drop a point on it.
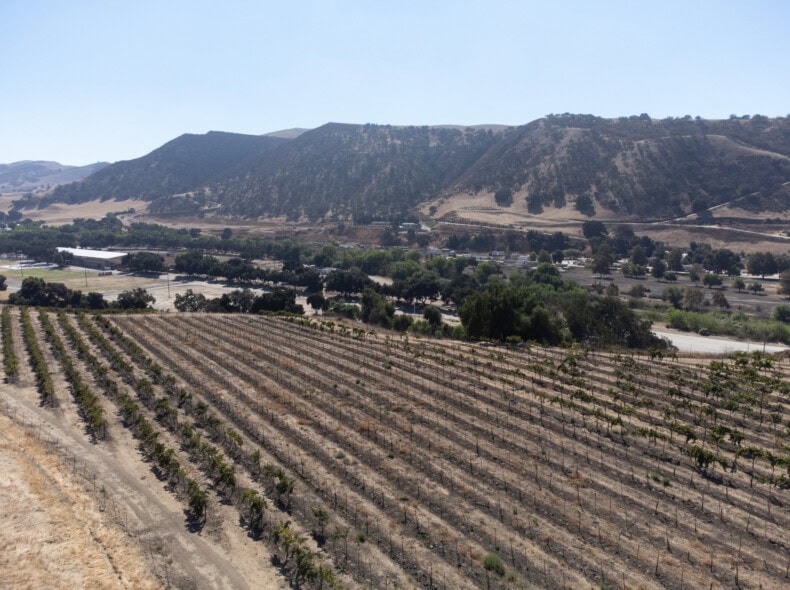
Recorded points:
(485, 270)
(402, 322)
(658, 268)
(348, 281)
(145, 262)
(425, 285)
(739, 284)
(403, 269)
(557, 256)
(316, 301)
(376, 309)
(584, 204)
(594, 229)
(459, 288)
(695, 273)
(227, 233)
(761, 263)
(638, 255)
(633, 270)
(675, 259)
(712, 280)
(59, 257)
(612, 290)
(674, 295)
(433, 315)
(720, 300)
(280, 299)
(534, 204)
(544, 256)
(36, 291)
(3, 285)
(692, 299)
(190, 301)
(755, 288)
(602, 263)
(137, 298)
(723, 261)
(504, 197)
(95, 300)
(546, 274)
(782, 313)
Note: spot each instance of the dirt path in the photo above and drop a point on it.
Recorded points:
(155, 519)
(695, 343)
(52, 533)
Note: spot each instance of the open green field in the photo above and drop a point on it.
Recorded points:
(48, 274)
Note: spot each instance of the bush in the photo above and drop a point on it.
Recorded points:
(737, 325)
(402, 322)
(782, 313)
(493, 563)
(346, 310)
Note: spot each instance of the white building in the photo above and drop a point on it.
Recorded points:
(103, 259)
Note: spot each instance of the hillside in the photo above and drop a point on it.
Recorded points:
(184, 164)
(631, 167)
(362, 171)
(635, 165)
(32, 175)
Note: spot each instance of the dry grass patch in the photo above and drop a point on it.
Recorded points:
(62, 214)
(52, 534)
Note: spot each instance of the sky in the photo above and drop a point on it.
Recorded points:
(86, 81)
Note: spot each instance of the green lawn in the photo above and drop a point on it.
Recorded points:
(47, 274)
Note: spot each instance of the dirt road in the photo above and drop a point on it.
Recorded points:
(716, 345)
(218, 557)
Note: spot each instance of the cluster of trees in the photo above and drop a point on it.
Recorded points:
(541, 306)
(197, 263)
(240, 301)
(35, 240)
(440, 278)
(642, 252)
(144, 262)
(692, 299)
(766, 263)
(530, 241)
(36, 291)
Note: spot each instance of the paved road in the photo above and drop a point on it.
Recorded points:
(696, 343)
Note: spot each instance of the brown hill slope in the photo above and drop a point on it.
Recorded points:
(631, 167)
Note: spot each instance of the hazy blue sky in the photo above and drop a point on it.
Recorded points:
(89, 80)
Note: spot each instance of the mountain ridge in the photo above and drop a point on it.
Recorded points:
(634, 166)
(33, 175)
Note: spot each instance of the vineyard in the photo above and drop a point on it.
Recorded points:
(372, 459)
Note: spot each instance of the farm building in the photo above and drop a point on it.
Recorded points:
(103, 259)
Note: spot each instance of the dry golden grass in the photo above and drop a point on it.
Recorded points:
(61, 214)
(52, 533)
